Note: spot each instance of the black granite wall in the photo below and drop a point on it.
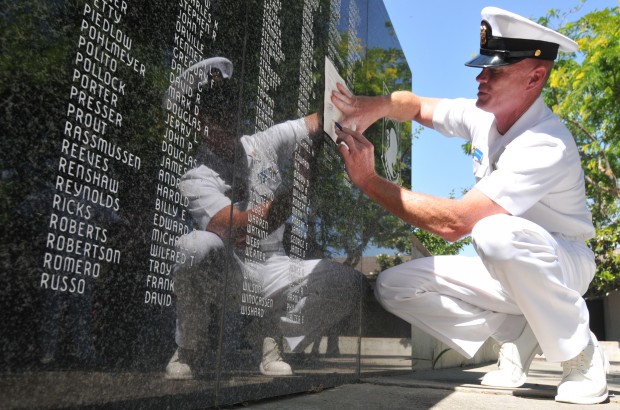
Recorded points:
(166, 189)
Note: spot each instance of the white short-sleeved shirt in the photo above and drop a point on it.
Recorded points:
(533, 171)
(267, 153)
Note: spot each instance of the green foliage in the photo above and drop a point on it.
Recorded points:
(403, 244)
(605, 247)
(385, 261)
(435, 359)
(439, 246)
(399, 237)
(584, 90)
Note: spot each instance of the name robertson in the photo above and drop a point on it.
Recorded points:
(81, 247)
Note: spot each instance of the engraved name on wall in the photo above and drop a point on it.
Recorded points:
(76, 245)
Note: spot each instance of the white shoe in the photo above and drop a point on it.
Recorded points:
(514, 361)
(584, 379)
(178, 367)
(272, 363)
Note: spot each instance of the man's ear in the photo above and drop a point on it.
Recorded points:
(537, 77)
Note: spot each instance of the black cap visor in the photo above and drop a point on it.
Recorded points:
(488, 58)
(499, 51)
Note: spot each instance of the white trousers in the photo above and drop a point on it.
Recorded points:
(327, 292)
(522, 274)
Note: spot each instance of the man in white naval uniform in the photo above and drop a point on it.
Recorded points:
(219, 222)
(527, 216)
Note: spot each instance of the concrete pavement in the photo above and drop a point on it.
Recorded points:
(457, 388)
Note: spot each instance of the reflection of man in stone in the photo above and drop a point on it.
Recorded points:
(527, 216)
(331, 289)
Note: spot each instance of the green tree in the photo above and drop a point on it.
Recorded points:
(584, 90)
(385, 261)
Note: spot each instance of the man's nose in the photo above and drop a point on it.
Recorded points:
(483, 77)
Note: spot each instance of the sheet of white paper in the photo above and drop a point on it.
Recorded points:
(331, 114)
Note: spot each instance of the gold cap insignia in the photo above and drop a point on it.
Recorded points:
(485, 33)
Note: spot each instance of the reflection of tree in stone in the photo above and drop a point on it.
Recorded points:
(40, 42)
(33, 87)
(348, 221)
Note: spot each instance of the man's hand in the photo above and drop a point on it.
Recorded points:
(359, 112)
(359, 156)
(449, 218)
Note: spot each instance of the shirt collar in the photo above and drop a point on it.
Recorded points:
(532, 116)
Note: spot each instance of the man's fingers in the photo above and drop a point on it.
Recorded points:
(355, 136)
(341, 101)
(344, 90)
(345, 142)
(342, 97)
(341, 136)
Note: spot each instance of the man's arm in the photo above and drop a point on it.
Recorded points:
(451, 219)
(232, 222)
(401, 106)
(314, 124)
(229, 222)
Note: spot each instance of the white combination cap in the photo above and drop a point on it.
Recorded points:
(507, 38)
(198, 75)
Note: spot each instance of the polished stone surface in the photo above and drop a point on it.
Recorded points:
(165, 184)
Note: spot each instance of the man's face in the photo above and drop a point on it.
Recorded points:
(220, 137)
(501, 88)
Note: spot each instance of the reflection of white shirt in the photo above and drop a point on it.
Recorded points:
(268, 153)
(533, 171)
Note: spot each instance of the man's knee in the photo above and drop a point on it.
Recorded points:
(493, 238)
(382, 284)
(502, 238)
(193, 248)
(390, 290)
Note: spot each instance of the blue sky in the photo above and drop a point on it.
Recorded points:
(437, 37)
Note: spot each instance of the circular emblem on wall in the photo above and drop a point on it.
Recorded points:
(390, 146)
(390, 149)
